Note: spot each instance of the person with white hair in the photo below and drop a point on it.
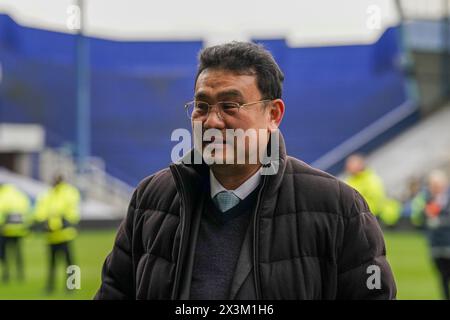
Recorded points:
(431, 208)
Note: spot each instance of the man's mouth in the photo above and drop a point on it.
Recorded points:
(215, 141)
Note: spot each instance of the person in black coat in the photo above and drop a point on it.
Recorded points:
(212, 226)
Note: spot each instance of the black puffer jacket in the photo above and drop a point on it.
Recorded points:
(311, 237)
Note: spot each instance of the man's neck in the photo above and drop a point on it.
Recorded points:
(232, 176)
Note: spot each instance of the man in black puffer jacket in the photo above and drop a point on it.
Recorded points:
(276, 229)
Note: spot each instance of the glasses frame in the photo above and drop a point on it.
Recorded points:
(191, 104)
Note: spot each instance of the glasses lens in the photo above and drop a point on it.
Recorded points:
(229, 108)
(199, 109)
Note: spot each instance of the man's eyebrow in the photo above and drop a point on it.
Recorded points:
(201, 96)
(233, 93)
(229, 93)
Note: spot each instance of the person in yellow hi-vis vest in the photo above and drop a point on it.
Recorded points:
(370, 186)
(14, 225)
(57, 211)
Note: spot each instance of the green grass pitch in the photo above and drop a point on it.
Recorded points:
(407, 253)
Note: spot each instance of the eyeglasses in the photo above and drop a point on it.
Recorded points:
(199, 109)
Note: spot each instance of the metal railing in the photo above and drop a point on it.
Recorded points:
(93, 180)
(365, 136)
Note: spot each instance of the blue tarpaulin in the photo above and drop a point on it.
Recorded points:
(139, 88)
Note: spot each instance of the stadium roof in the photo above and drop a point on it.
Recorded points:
(302, 23)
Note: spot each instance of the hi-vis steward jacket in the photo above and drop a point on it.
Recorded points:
(370, 186)
(311, 237)
(14, 212)
(58, 210)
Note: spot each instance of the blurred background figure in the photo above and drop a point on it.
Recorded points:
(57, 211)
(431, 208)
(14, 225)
(369, 184)
(414, 187)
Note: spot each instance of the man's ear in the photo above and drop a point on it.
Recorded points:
(276, 113)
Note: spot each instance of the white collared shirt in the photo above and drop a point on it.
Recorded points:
(242, 191)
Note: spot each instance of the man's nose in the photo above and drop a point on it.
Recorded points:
(213, 120)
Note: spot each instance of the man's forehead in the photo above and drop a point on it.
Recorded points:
(224, 81)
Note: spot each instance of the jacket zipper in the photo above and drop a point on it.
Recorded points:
(256, 274)
(182, 241)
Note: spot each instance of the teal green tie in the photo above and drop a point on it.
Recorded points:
(225, 200)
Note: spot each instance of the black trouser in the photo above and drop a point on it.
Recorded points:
(443, 266)
(8, 246)
(55, 251)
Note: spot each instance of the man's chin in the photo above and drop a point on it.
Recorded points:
(218, 156)
(213, 160)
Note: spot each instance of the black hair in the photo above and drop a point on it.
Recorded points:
(245, 58)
